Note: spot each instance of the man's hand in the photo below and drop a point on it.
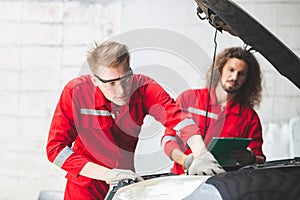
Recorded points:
(188, 161)
(205, 164)
(244, 157)
(116, 175)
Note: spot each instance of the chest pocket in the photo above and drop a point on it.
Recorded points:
(97, 119)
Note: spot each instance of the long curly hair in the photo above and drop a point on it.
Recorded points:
(250, 92)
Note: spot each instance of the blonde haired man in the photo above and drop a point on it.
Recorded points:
(98, 118)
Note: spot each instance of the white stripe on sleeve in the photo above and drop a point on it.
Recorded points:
(63, 156)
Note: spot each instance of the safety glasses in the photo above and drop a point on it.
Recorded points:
(113, 83)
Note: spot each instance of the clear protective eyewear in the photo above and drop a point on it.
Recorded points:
(113, 83)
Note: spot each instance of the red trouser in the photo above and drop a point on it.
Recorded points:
(94, 190)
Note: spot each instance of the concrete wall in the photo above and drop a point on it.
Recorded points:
(43, 45)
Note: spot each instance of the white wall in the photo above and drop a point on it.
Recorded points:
(43, 45)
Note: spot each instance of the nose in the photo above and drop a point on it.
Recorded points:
(120, 90)
(235, 76)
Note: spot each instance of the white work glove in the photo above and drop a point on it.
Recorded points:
(188, 161)
(243, 156)
(205, 164)
(117, 175)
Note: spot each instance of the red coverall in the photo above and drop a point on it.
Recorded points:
(235, 120)
(88, 127)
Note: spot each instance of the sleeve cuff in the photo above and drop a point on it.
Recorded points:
(170, 146)
(74, 164)
(188, 132)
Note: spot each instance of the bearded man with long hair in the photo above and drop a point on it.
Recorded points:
(225, 108)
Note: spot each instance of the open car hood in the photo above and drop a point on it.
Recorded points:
(226, 15)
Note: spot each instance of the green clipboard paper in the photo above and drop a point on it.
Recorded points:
(221, 147)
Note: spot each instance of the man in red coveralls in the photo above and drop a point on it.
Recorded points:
(236, 90)
(98, 118)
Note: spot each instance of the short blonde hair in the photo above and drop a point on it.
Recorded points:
(109, 54)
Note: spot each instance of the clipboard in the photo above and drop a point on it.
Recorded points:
(221, 147)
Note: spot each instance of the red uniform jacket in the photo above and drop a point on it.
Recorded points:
(235, 120)
(88, 127)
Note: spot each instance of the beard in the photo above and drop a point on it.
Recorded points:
(230, 89)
